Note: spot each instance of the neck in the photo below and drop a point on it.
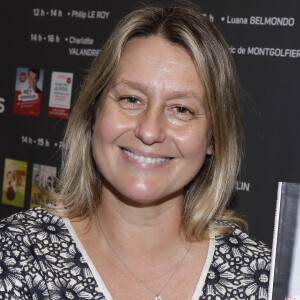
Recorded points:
(138, 229)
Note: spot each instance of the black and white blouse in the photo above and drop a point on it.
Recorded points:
(41, 257)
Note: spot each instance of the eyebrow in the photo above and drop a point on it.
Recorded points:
(139, 86)
(142, 87)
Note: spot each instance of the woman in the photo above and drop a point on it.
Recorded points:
(150, 159)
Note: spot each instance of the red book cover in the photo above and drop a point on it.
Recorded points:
(28, 91)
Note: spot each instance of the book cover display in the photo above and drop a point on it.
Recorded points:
(60, 95)
(42, 177)
(28, 91)
(285, 266)
(14, 182)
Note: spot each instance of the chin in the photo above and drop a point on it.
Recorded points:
(143, 196)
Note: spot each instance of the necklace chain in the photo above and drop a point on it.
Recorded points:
(157, 295)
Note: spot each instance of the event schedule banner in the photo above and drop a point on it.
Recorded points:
(47, 47)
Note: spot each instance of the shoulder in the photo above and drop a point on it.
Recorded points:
(240, 267)
(32, 217)
(29, 225)
(239, 243)
(19, 253)
(24, 216)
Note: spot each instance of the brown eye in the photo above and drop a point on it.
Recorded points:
(130, 100)
(131, 104)
(183, 110)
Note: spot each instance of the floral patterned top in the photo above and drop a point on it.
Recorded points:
(41, 257)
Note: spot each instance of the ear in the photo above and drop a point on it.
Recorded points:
(210, 148)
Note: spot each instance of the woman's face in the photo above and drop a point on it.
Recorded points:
(153, 131)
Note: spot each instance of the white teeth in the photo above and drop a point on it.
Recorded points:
(146, 160)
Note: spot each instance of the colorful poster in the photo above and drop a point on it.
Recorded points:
(14, 182)
(60, 95)
(43, 177)
(28, 91)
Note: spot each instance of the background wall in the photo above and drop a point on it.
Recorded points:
(65, 36)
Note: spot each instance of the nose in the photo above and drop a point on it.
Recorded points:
(151, 126)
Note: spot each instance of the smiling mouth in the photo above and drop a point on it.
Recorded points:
(146, 159)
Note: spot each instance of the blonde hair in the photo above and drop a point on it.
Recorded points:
(207, 196)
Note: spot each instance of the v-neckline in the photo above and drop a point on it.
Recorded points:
(103, 289)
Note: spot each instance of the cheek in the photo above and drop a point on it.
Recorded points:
(193, 143)
(103, 133)
(100, 141)
(109, 126)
